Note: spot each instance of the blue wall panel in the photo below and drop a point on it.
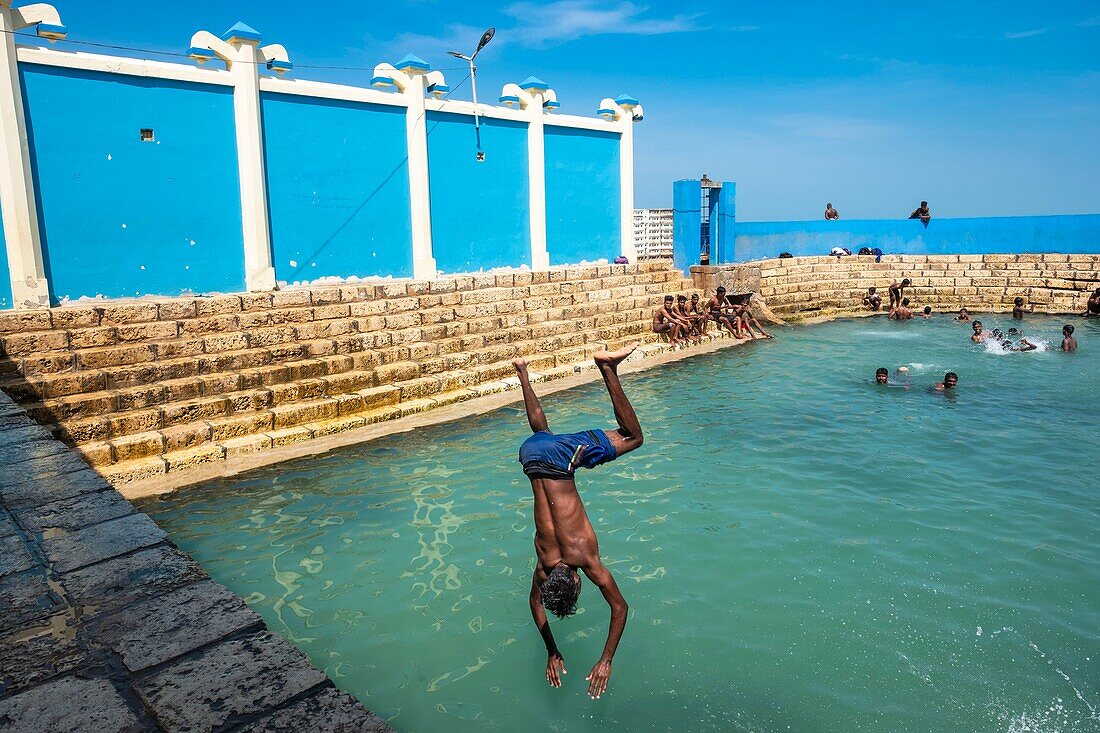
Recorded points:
(583, 218)
(123, 217)
(480, 216)
(5, 274)
(338, 188)
(686, 220)
(1079, 234)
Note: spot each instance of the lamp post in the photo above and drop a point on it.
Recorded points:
(485, 38)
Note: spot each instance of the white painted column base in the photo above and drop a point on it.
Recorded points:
(31, 292)
(261, 280)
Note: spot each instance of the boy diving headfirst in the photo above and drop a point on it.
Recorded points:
(564, 539)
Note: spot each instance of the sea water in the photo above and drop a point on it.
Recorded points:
(802, 550)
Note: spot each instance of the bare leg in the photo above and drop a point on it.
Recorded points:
(629, 435)
(535, 416)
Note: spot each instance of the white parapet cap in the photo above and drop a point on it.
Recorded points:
(327, 90)
(122, 65)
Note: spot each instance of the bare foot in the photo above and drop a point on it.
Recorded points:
(520, 364)
(613, 358)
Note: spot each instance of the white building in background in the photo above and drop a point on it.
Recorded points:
(653, 233)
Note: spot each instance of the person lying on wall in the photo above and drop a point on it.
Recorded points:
(922, 212)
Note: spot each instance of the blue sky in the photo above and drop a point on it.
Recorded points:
(982, 108)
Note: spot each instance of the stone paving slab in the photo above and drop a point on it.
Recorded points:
(328, 710)
(14, 555)
(27, 600)
(101, 542)
(160, 629)
(75, 513)
(114, 583)
(68, 705)
(105, 627)
(228, 682)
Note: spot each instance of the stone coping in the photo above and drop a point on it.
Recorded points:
(108, 627)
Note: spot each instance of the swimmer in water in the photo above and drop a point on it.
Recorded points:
(1018, 309)
(964, 315)
(901, 311)
(564, 539)
(926, 313)
(1092, 308)
(1023, 345)
(882, 375)
(1069, 343)
(979, 335)
(949, 381)
(897, 292)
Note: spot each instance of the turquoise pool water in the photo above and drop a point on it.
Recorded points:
(802, 550)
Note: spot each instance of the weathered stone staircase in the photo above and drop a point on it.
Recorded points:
(145, 387)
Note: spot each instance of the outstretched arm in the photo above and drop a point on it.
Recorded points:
(555, 665)
(536, 418)
(601, 577)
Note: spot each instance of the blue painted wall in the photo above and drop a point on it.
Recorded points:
(583, 216)
(122, 217)
(725, 223)
(5, 274)
(480, 217)
(338, 188)
(686, 220)
(1075, 234)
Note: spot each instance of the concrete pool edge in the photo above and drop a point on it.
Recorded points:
(107, 620)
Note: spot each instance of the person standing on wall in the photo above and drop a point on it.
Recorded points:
(922, 212)
(831, 214)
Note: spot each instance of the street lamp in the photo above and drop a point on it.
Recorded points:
(485, 38)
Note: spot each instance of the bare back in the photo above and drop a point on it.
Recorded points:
(562, 530)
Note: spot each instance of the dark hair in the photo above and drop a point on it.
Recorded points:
(681, 296)
(720, 289)
(694, 296)
(905, 301)
(882, 370)
(1013, 330)
(975, 323)
(560, 591)
(669, 297)
(951, 375)
(924, 203)
(927, 309)
(997, 333)
(1018, 301)
(963, 309)
(1067, 329)
(906, 281)
(871, 289)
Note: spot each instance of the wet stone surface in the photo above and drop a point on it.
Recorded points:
(106, 627)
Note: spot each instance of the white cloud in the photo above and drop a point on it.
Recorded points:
(1026, 34)
(568, 20)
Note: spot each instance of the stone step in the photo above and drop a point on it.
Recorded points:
(149, 467)
(310, 401)
(73, 351)
(101, 415)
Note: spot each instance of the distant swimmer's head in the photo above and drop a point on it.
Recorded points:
(905, 302)
(950, 380)
(963, 312)
(871, 290)
(927, 310)
(905, 283)
(1096, 292)
(1018, 301)
(1067, 330)
(1013, 332)
(560, 590)
(882, 375)
(977, 326)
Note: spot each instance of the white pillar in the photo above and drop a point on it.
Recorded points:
(536, 98)
(414, 79)
(625, 110)
(420, 199)
(18, 205)
(238, 48)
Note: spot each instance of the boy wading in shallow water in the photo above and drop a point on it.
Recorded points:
(564, 539)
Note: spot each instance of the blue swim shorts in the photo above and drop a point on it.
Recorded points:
(545, 455)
